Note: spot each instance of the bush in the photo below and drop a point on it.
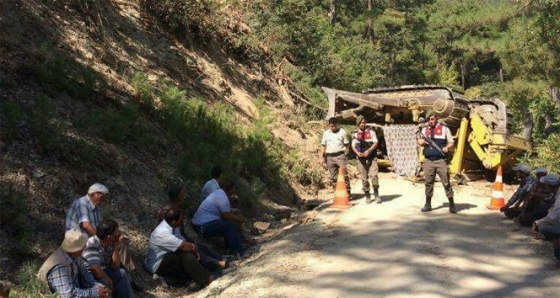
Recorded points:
(44, 126)
(28, 283)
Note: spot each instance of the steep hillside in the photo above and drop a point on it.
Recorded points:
(99, 91)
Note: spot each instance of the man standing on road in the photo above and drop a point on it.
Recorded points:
(364, 143)
(333, 145)
(435, 158)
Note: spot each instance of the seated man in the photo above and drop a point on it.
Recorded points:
(213, 184)
(66, 274)
(214, 218)
(512, 209)
(102, 255)
(537, 202)
(549, 226)
(208, 259)
(85, 214)
(170, 254)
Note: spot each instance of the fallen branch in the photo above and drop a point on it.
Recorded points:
(304, 100)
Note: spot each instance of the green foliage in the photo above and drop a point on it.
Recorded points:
(114, 125)
(545, 154)
(28, 283)
(45, 127)
(144, 89)
(57, 74)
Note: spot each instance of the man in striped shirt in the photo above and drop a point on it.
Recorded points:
(102, 255)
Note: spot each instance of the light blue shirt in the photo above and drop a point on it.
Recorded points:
(163, 240)
(209, 187)
(82, 210)
(212, 207)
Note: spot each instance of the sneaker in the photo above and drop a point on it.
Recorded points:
(426, 208)
(378, 199)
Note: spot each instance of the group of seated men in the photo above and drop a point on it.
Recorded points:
(94, 260)
(536, 203)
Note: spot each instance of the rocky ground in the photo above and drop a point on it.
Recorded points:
(393, 250)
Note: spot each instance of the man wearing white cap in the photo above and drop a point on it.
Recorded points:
(512, 209)
(66, 274)
(549, 226)
(84, 214)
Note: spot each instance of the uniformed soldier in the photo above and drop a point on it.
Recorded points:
(364, 145)
(435, 158)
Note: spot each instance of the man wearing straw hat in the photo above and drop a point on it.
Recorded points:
(66, 274)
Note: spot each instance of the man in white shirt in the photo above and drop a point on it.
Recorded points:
(333, 146)
(170, 254)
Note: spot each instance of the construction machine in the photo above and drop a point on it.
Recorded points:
(481, 127)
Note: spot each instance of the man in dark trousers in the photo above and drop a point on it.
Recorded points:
(435, 158)
(364, 144)
(333, 146)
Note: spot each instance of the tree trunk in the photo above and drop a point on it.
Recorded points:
(555, 95)
(332, 12)
(527, 123)
(548, 124)
(369, 24)
(501, 75)
(463, 70)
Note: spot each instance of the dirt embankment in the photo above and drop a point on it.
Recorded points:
(113, 40)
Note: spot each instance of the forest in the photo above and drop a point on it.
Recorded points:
(485, 48)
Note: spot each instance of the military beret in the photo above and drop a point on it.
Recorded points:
(359, 119)
(550, 179)
(430, 113)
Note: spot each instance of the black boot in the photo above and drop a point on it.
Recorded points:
(428, 205)
(378, 199)
(452, 206)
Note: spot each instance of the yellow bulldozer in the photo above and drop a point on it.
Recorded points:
(481, 127)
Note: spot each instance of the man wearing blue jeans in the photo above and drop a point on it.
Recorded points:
(214, 218)
(102, 255)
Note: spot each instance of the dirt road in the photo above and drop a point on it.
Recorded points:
(394, 250)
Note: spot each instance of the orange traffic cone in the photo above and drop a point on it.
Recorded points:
(340, 193)
(497, 199)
